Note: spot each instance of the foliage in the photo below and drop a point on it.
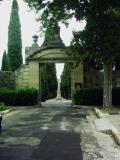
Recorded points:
(66, 82)
(5, 62)
(116, 96)
(3, 107)
(44, 84)
(19, 97)
(14, 38)
(48, 82)
(52, 80)
(88, 96)
(7, 79)
(94, 96)
(101, 37)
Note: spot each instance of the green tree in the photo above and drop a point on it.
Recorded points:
(14, 38)
(52, 80)
(49, 82)
(44, 84)
(66, 82)
(99, 41)
(5, 62)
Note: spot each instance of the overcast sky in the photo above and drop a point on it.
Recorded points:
(29, 26)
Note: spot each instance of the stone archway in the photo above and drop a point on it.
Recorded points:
(54, 51)
(41, 57)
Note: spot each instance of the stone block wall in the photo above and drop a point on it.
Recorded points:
(22, 76)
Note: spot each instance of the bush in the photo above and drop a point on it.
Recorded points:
(3, 107)
(86, 96)
(94, 96)
(116, 96)
(19, 97)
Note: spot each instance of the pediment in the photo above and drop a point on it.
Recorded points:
(48, 54)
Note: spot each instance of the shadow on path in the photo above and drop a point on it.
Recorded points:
(59, 146)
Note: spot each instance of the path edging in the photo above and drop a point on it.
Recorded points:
(113, 131)
(6, 111)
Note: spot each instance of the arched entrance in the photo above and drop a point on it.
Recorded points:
(47, 55)
(54, 51)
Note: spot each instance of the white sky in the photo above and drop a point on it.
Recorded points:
(29, 26)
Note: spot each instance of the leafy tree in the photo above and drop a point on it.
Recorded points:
(14, 38)
(99, 41)
(66, 82)
(5, 62)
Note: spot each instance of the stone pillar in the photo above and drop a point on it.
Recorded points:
(39, 91)
(34, 74)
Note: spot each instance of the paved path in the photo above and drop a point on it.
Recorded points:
(56, 131)
(42, 134)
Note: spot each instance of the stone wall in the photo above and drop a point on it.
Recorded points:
(22, 76)
(34, 74)
(7, 79)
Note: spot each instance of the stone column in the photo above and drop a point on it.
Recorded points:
(39, 91)
(34, 74)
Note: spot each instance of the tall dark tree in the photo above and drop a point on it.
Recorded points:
(100, 40)
(49, 82)
(14, 38)
(66, 82)
(44, 84)
(52, 80)
(5, 62)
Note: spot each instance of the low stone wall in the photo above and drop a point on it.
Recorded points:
(7, 79)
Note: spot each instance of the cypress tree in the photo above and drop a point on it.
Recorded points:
(52, 80)
(49, 82)
(5, 62)
(66, 82)
(44, 86)
(14, 38)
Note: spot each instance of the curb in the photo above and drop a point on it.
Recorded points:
(6, 111)
(98, 113)
(112, 131)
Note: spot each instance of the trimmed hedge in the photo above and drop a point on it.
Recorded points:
(19, 97)
(94, 96)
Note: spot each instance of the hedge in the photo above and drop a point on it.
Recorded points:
(19, 97)
(94, 96)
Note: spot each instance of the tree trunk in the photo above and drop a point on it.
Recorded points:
(107, 91)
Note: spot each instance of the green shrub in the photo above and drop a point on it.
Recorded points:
(19, 97)
(94, 96)
(116, 96)
(3, 107)
(86, 96)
